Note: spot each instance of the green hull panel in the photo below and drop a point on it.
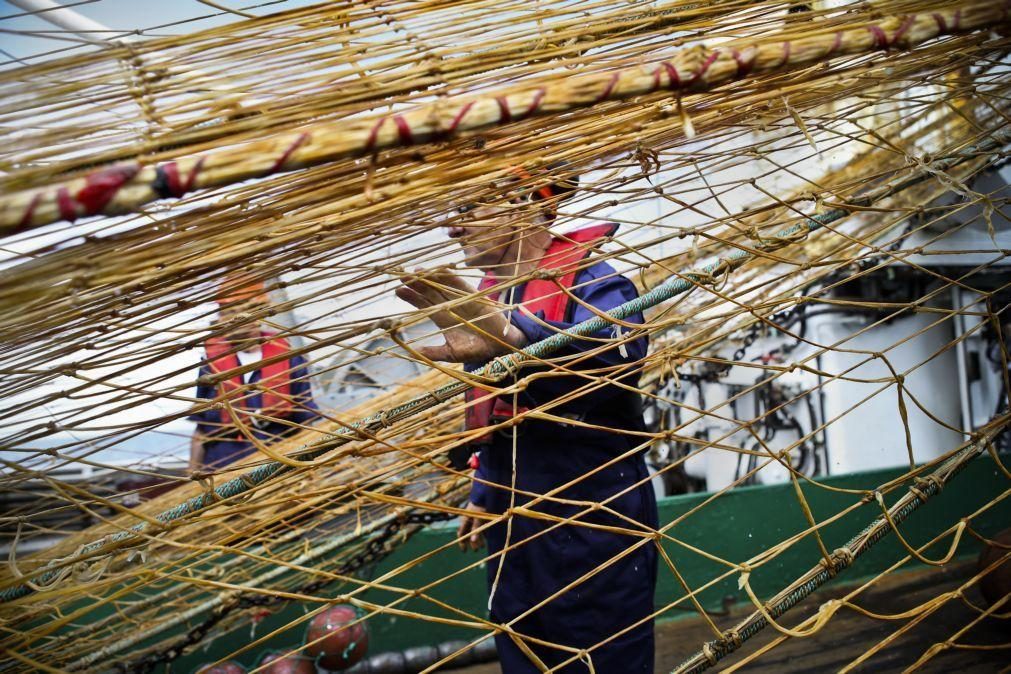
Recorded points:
(735, 527)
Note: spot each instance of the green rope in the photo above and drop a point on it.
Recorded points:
(502, 366)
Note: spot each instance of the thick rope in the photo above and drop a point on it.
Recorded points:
(124, 188)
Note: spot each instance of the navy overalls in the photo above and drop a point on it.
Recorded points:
(224, 443)
(619, 593)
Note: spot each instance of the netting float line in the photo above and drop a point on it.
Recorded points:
(713, 651)
(502, 366)
(123, 188)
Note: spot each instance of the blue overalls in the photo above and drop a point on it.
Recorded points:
(224, 444)
(549, 557)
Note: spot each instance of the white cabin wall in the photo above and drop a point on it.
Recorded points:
(871, 436)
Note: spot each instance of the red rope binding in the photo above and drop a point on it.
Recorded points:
(370, 144)
(903, 29)
(66, 205)
(459, 117)
(609, 88)
(167, 182)
(504, 115)
(673, 79)
(536, 103)
(101, 186)
(836, 44)
(287, 154)
(880, 38)
(704, 68)
(743, 67)
(403, 130)
(26, 218)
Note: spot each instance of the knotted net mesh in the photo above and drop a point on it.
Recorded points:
(810, 202)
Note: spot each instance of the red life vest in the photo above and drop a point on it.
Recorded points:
(275, 378)
(563, 255)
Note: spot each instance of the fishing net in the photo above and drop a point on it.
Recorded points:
(810, 203)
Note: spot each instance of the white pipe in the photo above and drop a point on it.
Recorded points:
(67, 19)
(965, 404)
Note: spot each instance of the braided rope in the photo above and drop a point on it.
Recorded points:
(126, 187)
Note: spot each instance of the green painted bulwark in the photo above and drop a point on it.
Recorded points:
(735, 527)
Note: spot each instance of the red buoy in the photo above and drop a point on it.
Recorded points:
(226, 667)
(996, 584)
(287, 663)
(337, 644)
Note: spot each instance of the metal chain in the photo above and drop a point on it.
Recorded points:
(375, 551)
(717, 371)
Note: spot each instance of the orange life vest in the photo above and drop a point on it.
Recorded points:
(563, 255)
(275, 378)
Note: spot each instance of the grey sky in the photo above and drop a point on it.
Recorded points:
(154, 18)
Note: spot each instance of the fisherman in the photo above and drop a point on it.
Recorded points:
(584, 454)
(264, 404)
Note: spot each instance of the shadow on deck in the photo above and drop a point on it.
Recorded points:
(850, 634)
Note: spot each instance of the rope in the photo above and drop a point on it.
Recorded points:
(125, 188)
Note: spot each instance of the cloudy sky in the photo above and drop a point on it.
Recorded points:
(29, 37)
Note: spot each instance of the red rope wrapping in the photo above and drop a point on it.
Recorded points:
(370, 144)
(880, 38)
(903, 29)
(66, 205)
(403, 130)
(836, 44)
(536, 103)
(167, 181)
(287, 153)
(704, 68)
(459, 116)
(787, 48)
(609, 88)
(673, 79)
(504, 114)
(743, 67)
(101, 186)
(26, 219)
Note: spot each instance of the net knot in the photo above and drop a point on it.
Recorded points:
(206, 482)
(434, 395)
(842, 558)
(837, 561)
(923, 484)
(710, 653)
(247, 481)
(545, 274)
(510, 366)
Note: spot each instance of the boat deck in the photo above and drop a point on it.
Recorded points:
(849, 634)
